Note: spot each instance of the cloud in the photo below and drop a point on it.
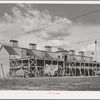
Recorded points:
(58, 43)
(25, 19)
(90, 48)
(32, 19)
(59, 30)
(81, 32)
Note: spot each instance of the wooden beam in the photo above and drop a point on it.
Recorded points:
(63, 68)
(44, 68)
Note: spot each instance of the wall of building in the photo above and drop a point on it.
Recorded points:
(18, 50)
(42, 54)
(37, 52)
(52, 54)
(23, 53)
(4, 60)
(88, 59)
(59, 55)
(77, 57)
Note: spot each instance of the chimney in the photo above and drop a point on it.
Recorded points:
(81, 53)
(48, 48)
(32, 46)
(14, 43)
(72, 52)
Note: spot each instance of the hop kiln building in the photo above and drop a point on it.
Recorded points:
(30, 62)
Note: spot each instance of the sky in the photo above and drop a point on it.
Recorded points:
(19, 19)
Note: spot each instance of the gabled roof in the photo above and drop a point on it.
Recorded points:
(61, 51)
(31, 53)
(78, 58)
(13, 41)
(83, 60)
(75, 59)
(10, 50)
(47, 55)
(87, 59)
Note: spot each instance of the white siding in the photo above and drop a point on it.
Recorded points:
(88, 59)
(42, 54)
(59, 54)
(38, 53)
(77, 57)
(4, 59)
(18, 50)
(23, 53)
(53, 55)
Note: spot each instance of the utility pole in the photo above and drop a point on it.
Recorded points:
(96, 50)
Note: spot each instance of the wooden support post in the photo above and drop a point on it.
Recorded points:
(95, 71)
(51, 62)
(44, 69)
(63, 68)
(84, 68)
(92, 70)
(58, 67)
(88, 71)
(69, 70)
(96, 68)
(99, 67)
(72, 69)
(66, 68)
(80, 69)
(22, 64)
(28, 65)
(80, 72)
(14, 75)
(75, 71)
(36, 68)
(84, 71)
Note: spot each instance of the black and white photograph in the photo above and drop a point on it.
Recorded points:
(49, 47)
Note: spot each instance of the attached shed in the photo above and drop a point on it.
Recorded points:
(5, 53)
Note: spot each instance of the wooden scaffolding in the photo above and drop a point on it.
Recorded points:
(34, 67)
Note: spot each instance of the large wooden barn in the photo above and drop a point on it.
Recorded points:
(30, 62)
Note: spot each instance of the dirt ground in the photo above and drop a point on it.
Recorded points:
(52, 83)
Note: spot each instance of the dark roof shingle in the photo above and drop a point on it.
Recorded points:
(10, 50)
